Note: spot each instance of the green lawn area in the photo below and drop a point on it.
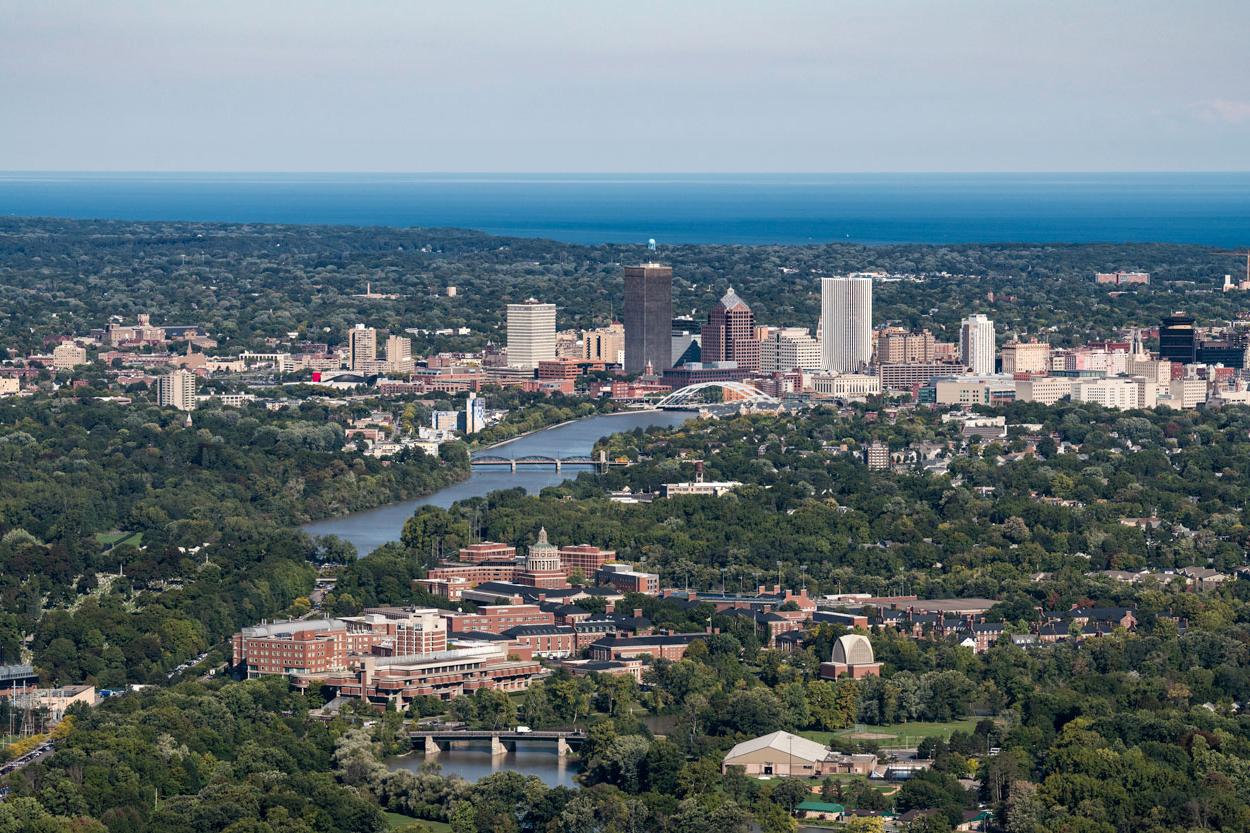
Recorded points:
(394, 821)
(909, 733)
(113, 539)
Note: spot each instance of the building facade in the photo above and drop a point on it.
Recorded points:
(362, 347)
(976, 344)
(648, 317)
(542, 567)
(1025, 357)
(606, 344)
(894, 347)
(729, 334)
(783, 349)
(1178, 340)
(531, 334)
(176, 389)
(846, 323)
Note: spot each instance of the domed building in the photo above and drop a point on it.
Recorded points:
(542, 567)
(852, 656)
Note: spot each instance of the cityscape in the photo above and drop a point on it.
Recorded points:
(554, 418)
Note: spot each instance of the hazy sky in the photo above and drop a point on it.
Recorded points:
(606, 85)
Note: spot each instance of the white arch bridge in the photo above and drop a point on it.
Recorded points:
(735, 393)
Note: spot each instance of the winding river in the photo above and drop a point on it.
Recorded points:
(372, 528)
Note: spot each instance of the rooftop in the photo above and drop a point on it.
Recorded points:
(791, 745)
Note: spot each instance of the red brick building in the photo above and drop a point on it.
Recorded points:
(498, 618)
(585, 558)
(323, 645)
(628, 580)
(545, 640)
(487, 551)
(670, 646)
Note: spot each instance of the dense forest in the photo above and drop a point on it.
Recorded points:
(247, 283)
(131, 541)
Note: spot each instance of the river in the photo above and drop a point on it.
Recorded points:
(372, 528)
(475, 764)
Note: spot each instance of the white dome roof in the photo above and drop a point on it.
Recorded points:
(853, 649)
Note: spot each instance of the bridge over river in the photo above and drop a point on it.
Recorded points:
(600, 462)
(500, 740)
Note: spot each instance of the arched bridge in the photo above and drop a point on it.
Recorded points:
(600, 462)
(734, 392)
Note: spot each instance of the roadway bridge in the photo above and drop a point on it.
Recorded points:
(600, 462)
(501, 741)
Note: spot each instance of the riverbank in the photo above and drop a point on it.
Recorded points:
(538, 415)
(368, 530)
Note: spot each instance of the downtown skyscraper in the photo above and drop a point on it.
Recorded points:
(648, 317)
(531, 334)
(976, 344)
(729, 334)
(845, 323)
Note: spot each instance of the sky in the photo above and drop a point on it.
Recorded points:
(610, 86)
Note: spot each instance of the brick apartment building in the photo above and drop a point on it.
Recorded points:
(487, 551)
(628, 580)
(324, 645)
(558, 641)
(498, 618)
(585, 559)
(393, 682)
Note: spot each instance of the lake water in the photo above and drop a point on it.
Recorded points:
(371, 529)
(1206, 208)
(475, 764)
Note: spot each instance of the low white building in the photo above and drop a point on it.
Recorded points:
(777, 754)
(1121, 392)
(849, 385)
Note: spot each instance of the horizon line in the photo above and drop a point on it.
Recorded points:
(365, 172)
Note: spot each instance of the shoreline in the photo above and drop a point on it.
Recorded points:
(557, 425)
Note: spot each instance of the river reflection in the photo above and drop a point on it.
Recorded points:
(475, 764)
(371, 529)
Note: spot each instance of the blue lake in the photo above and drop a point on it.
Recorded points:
(1206, 208)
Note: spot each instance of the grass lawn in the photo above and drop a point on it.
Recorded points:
(897, 733)
(394, 821)
(113, 539)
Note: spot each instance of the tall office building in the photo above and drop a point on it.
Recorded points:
(894, 347)
(788, 348)
(648, 317)
(605, 344)
(1178, 341)
(474, 414)
(399, 354)
(176, 389)
(531, 334)
(729, 334)
(976, 344)
(362, 346)
(845, 323)
(1025, 357)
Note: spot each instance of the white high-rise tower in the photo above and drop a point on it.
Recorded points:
(176, 389)
(845, 323)
(531, 333)
(976, 344)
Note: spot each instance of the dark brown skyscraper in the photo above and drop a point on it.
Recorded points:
(648, 317)
(729, 334)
